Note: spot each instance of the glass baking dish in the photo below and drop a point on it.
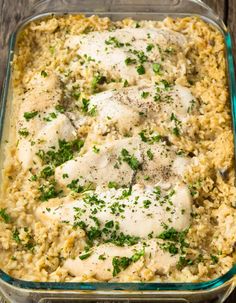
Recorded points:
(20, 291)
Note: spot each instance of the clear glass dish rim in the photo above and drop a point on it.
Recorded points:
(133, 286)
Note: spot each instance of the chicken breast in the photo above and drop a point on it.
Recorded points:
(139, 213)
(40, 126)
(101, 265)
(43, 92)
(99, 167)
(51, 132)
(123, 51)
(128, 108)
(124, 161)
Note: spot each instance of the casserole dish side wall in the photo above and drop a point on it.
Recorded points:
(22, 291)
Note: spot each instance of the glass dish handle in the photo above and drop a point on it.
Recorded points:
(183, 7)
(112, 300)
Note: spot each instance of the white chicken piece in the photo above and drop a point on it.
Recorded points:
(43, 95)
(100, 167)
(145, 211)
(99, 264)
(123, 50)
(112, 110)
(110, 164)
(59, 128)
(161, 165)
(127, 107)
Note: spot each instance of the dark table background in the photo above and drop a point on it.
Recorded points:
(9, 16)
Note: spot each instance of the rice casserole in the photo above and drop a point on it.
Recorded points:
(119, 165)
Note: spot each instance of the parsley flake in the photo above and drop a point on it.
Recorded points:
(131, 160)
(44, 74)
(4, 215)
(140, 70)
(30, 115)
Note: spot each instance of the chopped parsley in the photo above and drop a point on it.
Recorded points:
(146, 203)
(174, 236)
(23, 132)
(93, 111)
(191, 107)
(102, 257)
(149, 138)
(122, 240)
(60, 108)
(156, 67)
(141, 56)
(50, 117)
(140, 70)
(44, 74)
(76, 94)
(30, 115)
(47, 171)
(170, 247)
(157, 97)
(30, 244)
(77, 188)
(138, 255)
(33, 178)
(126, 193)
(48, 191)
(117, 208)
(149, 47)
(183, 261)
(85, 256)
(131, 160)
(109, 224)
(126, 83)
(194, 188)
(169, 50)
(93, 234)
(176, 129)
(113, 41)
(15, 236)
(52, 49)
(112, 184)
(129, 61)
(214, 259)
(4, 215)
(96, 150)
(166, 84)
(64, 153)
(144, 94)
(85, 105)
(121, 263)
(150, 154)
(98, 80)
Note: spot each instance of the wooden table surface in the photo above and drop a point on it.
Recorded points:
(9, 16)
